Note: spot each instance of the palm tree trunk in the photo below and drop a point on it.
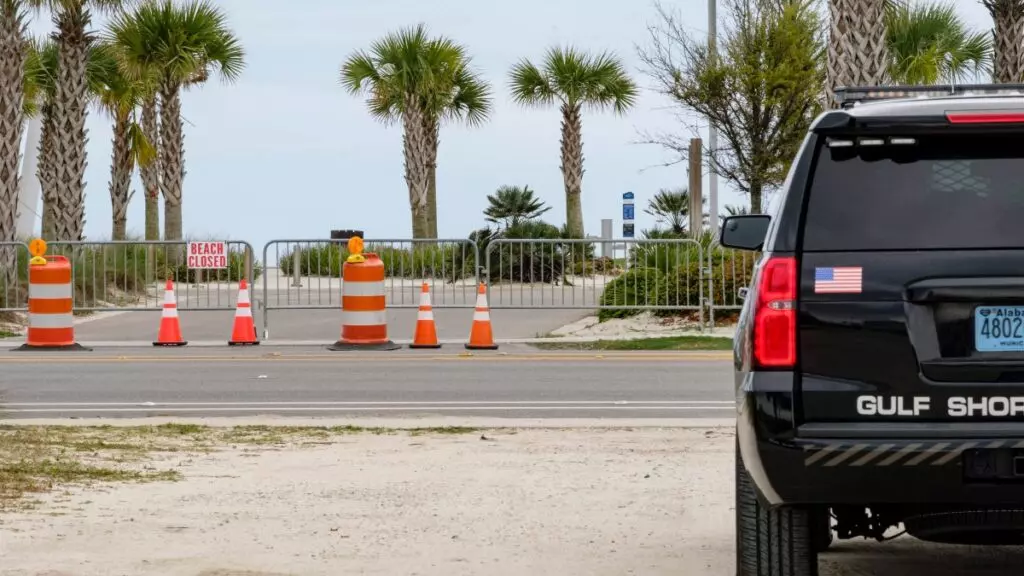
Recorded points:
(121, 167)
(1008, 41)
(857, 53)
(46, 171)
(150, 173)
(69, 113)
(172, 162)
(433, 137)
(13, 50)
(417, 155)
(572, 168)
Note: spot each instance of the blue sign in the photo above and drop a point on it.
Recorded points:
(627, 230)
(627, 196)
(628, 212)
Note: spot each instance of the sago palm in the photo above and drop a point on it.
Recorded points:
(120, 97)
(572, 80)
(421, 82)
(14, 49)
(930, 43)
(72, 20)
(513, 205)
(857, 49)
(671, 207)
(1008, 35)
(180, 42)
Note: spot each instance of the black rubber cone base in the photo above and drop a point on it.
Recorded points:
(342, 346)
(472, 347)
(256, 343)
(169, 343)
(424, 346)
(70, 348)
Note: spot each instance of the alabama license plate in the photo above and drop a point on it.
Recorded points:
(999, 328)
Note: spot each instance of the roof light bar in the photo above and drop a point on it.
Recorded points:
(851, 96)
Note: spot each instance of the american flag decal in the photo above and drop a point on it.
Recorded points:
(841, 280)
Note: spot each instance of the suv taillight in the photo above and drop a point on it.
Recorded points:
(775, 314)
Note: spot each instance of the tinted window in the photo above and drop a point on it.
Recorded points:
(944, 192)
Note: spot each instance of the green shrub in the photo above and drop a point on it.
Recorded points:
(118, 273)
(448, 261)
(637, 287)
(684, 286)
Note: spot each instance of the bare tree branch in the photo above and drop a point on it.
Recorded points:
(761, 92)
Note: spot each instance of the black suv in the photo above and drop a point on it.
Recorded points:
(880, 352)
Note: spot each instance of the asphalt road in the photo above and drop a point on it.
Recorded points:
(319, 325)
(519, 383)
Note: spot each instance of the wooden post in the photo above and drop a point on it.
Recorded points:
(696, 189)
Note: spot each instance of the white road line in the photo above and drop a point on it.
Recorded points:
(729, 403)
(228, 408)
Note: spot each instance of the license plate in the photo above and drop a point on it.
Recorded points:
(999, 328)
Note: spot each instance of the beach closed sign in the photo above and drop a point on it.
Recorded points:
(207, 255)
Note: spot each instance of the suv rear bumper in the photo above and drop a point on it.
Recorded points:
(906, 469)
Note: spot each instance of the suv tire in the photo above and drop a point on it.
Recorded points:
(771, 542)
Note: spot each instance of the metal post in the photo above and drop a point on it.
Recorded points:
(606, 234)
(696, 188)
(712, 131)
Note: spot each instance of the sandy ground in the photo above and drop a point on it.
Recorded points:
(646, 501)
(643, 325)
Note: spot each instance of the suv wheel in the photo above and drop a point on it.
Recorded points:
(772, 542)
(822, 529)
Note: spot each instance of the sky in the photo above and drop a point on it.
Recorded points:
(286, 153)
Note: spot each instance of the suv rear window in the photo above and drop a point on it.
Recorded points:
(946, 191)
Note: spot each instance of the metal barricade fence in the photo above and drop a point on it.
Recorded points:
(651, 274)
(14, 258)
(727, 271)
(306, 274)
(131, 275)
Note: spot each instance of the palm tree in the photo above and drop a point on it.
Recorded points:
(930, 43)
(70, 107)
(149, 172)
(182, 43)
(120, 97)
(411, 78)
(857, 50)
(572, 79)
(672, 207)
(468, 99)
(42, 70)
(14, 50)
(1008, 17)
(513, 205)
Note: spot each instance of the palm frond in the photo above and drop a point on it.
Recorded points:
(530, 86)
(573, 77)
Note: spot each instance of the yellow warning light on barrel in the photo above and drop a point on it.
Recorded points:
(37, 248)
(355, 250)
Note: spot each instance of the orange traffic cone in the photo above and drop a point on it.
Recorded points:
(426, 332)
(244, 332)
(170, 327)
(480, 337)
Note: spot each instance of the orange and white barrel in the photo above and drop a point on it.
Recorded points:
(50, 305)
(364, 315)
